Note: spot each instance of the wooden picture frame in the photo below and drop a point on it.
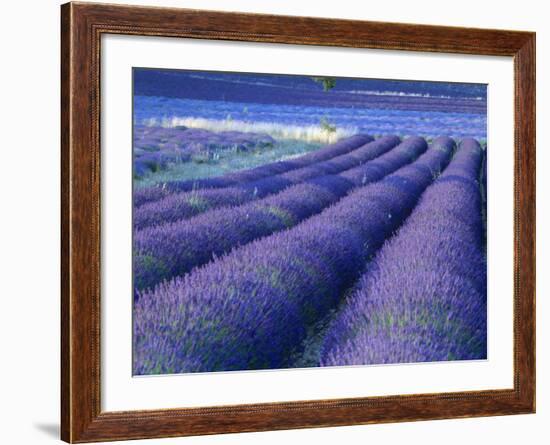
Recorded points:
(82, 25)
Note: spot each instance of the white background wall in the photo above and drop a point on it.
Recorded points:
(29, 222)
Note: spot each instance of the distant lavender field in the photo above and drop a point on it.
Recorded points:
(157, 148)
(291, 221)
(288, 121)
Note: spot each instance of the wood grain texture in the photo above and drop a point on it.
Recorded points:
(81, 28)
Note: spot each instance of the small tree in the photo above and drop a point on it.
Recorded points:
(328, 82)
(327, 126)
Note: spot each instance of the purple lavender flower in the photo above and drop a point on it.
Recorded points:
(423, 297)
(144, 195)
(187, 204)
(250, 308)
(172, 249)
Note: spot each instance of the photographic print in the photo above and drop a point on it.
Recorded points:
(276, 222)
(297, 221)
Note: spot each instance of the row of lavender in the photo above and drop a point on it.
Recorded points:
(168, 250)
(184, 205)
(252, 307)
(148, 194)
(423, 297)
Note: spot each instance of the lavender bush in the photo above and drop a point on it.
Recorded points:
(187, 204)
(167, 250)
(250, 308)
(423, 297)
(148, 194)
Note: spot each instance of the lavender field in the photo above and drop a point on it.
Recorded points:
(291, 222)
